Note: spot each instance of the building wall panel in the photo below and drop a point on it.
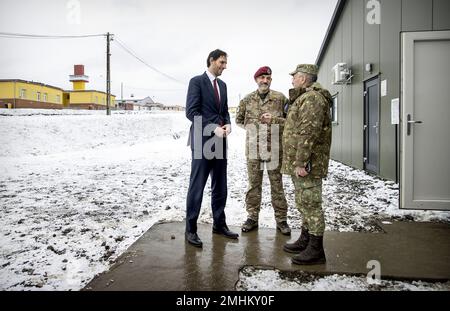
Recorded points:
(357, 16)
(390, 71)
(417, 15)
(441, 15)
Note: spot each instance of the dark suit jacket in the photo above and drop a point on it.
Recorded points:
(201, 101)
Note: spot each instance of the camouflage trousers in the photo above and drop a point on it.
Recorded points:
(255, 170)
(308, 199)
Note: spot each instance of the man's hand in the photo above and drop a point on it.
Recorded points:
(266, 118)
(300, 172)
(220, 132)
(227, 128)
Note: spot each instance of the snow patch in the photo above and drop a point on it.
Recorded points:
(254, 279)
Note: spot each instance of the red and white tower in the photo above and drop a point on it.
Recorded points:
(79, 79)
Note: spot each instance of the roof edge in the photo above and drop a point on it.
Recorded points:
(32, 82)
(336, 14)
(81, 91)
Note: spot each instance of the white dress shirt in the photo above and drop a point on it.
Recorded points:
(211, 78)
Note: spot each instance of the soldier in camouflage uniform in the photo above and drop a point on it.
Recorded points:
(306, 152)
(262, 114)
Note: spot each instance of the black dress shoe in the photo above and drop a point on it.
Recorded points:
(193, 239)
(225, 232)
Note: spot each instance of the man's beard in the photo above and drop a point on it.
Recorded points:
(263, 88)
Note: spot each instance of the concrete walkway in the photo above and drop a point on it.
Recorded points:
(161, 260)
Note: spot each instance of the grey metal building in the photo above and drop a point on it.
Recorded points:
(364, 46)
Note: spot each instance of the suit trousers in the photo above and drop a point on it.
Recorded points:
(200, 170)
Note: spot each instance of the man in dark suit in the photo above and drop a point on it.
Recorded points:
(207, 109)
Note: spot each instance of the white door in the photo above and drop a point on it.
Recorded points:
(425, 121)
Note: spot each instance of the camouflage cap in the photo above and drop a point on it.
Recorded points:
(306, 68)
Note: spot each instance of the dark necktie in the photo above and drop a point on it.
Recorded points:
(216, 92)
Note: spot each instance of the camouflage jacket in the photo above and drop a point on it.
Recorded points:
(248, 115)
(307, 132)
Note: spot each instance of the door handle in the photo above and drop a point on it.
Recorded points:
(409, 123)
(376, 127)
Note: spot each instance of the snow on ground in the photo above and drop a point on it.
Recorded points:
(76, 191)
(59, 112)
(354, 201)
(254, 279)
(77, 188)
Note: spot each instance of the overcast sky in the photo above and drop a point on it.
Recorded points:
(174, 36)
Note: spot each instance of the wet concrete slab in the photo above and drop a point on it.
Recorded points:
(162, 260)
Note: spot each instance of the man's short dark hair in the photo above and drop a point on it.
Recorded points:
(215, 55)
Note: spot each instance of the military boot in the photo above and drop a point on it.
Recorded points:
(249, 225)
(299, 245)
(284, 228)
(313, 254)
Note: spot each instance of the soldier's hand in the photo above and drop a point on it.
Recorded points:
(301, 172)
(266, 118)
(219, 132)
(227, 128)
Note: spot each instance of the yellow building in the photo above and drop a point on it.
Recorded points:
(87, 99)
(16, 93)
(81, 98)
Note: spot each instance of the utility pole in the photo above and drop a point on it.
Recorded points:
(108, 76)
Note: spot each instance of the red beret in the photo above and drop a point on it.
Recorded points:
(263, 71)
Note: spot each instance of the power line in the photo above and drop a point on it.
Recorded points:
(117, 40)
(34, 36)
(129, 51)
(108, 39)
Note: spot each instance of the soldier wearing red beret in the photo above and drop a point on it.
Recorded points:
(262, 114)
